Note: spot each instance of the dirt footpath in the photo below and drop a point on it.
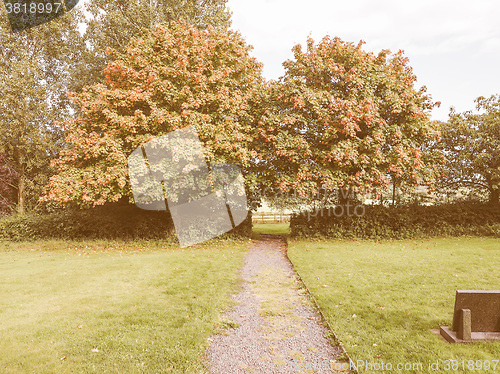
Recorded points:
(275, 327)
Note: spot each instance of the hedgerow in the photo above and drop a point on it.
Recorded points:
(125, 222)
(403, 222)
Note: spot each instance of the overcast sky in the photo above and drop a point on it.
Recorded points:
(453, 46)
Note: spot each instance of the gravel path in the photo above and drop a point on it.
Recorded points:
(275, 328)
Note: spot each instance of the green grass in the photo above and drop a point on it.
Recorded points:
(272, 228)
(383, 298)
(111, 307)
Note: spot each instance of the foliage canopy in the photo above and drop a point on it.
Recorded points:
(346, 118)
(35, 71)
(171, 78)
(471, 142)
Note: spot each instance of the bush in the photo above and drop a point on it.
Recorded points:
(112, 221)
(405, 222)
(107, 222)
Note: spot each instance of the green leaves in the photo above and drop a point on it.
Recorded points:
(35, 71)
(472, 146)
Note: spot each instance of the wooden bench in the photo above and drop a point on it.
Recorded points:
(476, 317)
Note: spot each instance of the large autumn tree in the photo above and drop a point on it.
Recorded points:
(171, 78)
(346, 119)
(471, 142)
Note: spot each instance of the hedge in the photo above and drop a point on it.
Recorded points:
(126, 222)
(400, 222)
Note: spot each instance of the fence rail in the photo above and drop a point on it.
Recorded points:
(270, 217)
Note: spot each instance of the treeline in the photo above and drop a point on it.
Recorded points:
(339, 119)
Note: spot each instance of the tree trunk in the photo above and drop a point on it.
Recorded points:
(21, 188)
(393, 192)
(494, 196)
(21, 196)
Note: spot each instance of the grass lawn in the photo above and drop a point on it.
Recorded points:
(272, 228)
(111, 307)
(383, 298)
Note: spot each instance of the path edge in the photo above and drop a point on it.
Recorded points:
(352, 366)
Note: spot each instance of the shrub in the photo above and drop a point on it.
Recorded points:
(404, 222)
(112, 221)
(107, 222)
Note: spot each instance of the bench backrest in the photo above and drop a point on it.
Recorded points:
(484, 307)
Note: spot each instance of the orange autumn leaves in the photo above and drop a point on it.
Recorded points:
(169, 79)
(350, 119)
(339, 117)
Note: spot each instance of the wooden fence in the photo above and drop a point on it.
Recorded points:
(267, 217)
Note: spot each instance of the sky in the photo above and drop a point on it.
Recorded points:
(453, 46)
